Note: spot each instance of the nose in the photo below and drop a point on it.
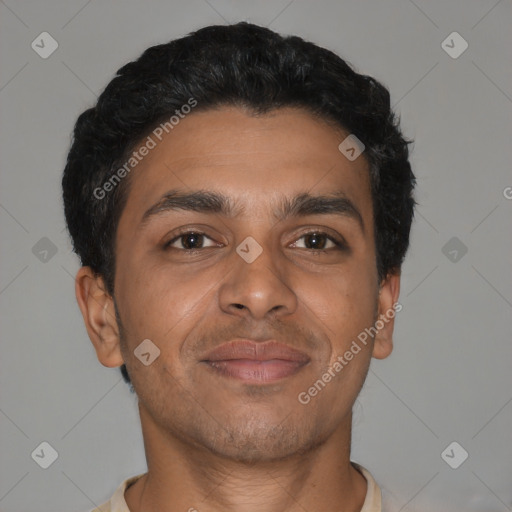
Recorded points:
(257, 288)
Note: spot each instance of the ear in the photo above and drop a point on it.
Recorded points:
(97, 307)
(388, 306)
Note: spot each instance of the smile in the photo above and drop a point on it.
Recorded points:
(256, 372)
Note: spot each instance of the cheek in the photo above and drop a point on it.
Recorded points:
(156, 305)
(159, 306)
(164, 303)
(344, 304)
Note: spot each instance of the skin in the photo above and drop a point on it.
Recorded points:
(216, 443)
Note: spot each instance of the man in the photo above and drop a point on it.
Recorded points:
(241, 204)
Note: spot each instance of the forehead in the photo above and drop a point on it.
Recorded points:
(255, 160)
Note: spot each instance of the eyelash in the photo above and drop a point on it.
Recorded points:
(339, 243)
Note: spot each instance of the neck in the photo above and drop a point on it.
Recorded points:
(185, 477)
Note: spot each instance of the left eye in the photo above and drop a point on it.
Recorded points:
(317, 240)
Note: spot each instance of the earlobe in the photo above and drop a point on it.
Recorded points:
(388, 307)
(97, 307)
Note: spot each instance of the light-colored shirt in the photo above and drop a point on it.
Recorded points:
(117, 503)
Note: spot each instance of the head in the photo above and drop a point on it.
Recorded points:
(234, 131)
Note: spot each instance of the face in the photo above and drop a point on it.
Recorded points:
(280, 248)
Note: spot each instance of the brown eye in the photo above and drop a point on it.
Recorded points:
(190, 241)
(318, 241)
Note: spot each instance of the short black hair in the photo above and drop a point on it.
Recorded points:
(241, 65)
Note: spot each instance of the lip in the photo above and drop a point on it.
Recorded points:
(256, 362)
(256, 351)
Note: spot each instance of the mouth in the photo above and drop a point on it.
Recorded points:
(256, 362)
(256, 371)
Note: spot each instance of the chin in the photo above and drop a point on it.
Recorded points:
(262, 442)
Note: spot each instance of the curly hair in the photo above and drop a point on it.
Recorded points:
(242, 65)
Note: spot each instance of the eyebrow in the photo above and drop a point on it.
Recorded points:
(301, 205)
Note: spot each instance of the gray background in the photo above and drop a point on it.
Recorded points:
(449, 376)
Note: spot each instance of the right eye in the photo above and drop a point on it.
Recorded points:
(189, 241)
